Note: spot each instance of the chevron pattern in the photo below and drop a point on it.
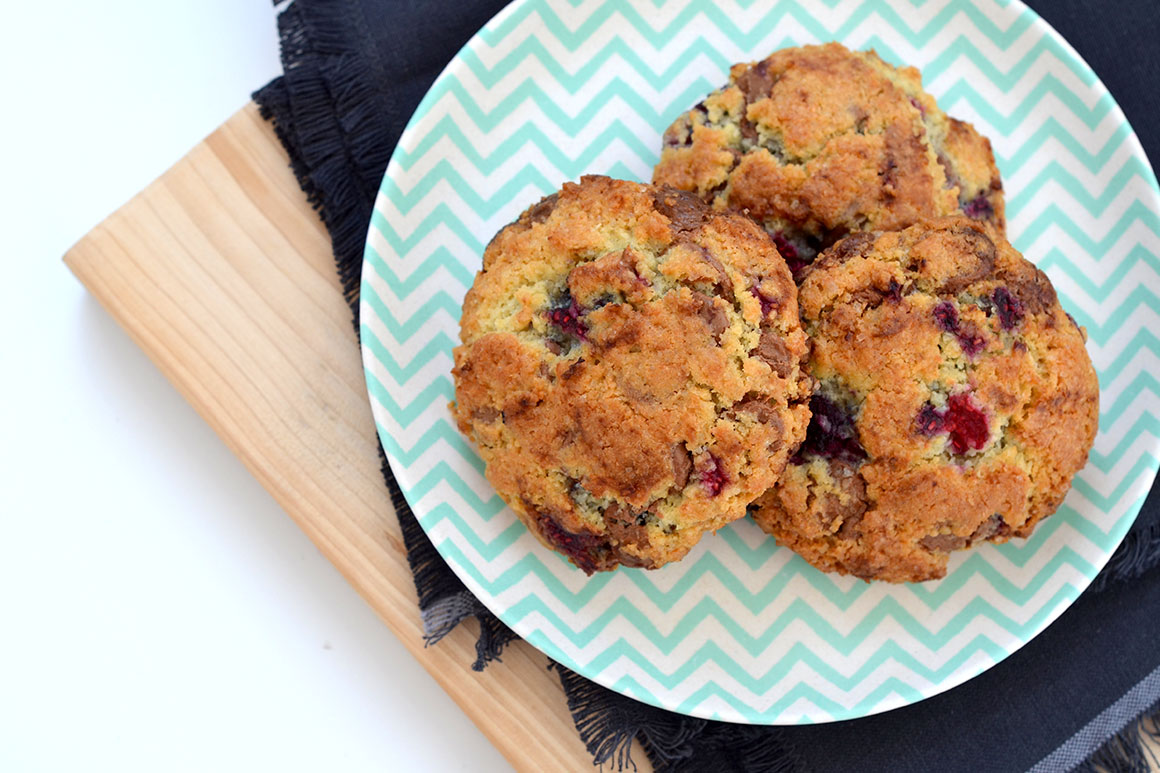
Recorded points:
(741, 630)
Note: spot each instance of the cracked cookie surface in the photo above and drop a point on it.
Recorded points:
(817, 142)
(631, 370)
(955, 402)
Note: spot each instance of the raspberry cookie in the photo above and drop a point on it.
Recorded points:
(955, 402)
(631, 370)
(820, 141)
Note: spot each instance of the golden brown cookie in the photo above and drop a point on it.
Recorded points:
(631, 370)
(955, 402)
(819, 141)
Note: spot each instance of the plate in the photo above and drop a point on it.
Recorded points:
(742, 630)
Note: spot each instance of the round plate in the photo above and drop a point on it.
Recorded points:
(742, 630)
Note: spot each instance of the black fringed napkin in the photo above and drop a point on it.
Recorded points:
(354, 72)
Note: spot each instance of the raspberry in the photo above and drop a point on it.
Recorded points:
(581, 548)
(766, 302)
(947, 317)
(961, 419)
(789, 253)
(966, 424)
(971, 342)
(565, 315)
(978, 208)
(1008, 307)
(930, 421)
(713, 476)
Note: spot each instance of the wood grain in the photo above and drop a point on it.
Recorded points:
(223, 274)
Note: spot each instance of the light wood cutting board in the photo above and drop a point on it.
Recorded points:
(223, 274)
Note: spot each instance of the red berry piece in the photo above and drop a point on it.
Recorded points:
(1008, 307)
(793, 258)
(713, 476)
(966, 423)
(929, 421)
(565, 315)
(766, 302)
(918, 106)
(583, 549)
(947, 317)
(970, 341)
(978, 208)
(961, 419)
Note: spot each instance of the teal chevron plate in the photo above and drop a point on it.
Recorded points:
(741, 630)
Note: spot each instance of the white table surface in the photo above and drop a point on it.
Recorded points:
(160, 611)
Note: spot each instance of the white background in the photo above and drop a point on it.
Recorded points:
(159, 610)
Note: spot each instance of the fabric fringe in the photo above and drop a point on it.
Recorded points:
(609, 722)
(1138, 553)
(444, 601)
(328, 116)
(1127, 752)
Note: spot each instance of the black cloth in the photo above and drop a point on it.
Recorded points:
(354, 70)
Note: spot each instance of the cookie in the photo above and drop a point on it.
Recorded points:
(955, 402)
(631, 370)
(819, 141)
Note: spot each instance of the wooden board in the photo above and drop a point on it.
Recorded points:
(223, 274)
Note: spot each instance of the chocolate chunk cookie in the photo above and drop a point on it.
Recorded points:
(819, 141)
(631, 370)
(955, 402)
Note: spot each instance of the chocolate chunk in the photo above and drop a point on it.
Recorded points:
(636, 562)
(724, 283)
(1034, 291)
(757, 82)
(543, 209)
(984, 250)
(855, 245)
(851, 521)
(850, 513)
(759, 407)
(573, 370)
(860, 118)
(873, 296)
(682, 465)
(943, 543)
(714, 316)
(748, 130)
(623, 526)
(994, 526)
(889, 174)
(772, 349)
(487, 414)
(949, 171)
(685, 211)
(831, 434)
